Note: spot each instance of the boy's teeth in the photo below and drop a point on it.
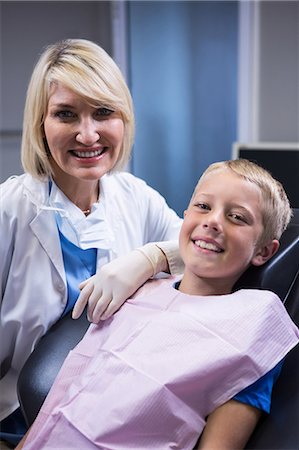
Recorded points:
(88, 154)
(207, 245)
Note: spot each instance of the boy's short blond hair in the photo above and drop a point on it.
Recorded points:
(85, 68)
(276, 209)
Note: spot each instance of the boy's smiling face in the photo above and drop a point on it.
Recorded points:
(220, 235)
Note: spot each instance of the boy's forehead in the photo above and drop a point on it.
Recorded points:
(221, 178)
(213, 174)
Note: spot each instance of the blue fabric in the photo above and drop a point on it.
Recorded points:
(13, 427)
(259, 393)
(79, 265)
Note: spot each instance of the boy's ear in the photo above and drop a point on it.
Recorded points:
(265, 253)
(185, 212)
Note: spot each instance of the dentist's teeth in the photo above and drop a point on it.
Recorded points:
(207, 246)
(88, 154)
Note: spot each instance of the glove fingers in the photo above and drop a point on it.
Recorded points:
(82, 300)
(96, 302)
(112, 307)
(114, 301)
(101, 306)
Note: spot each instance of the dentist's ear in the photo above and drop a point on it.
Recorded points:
(265, 252)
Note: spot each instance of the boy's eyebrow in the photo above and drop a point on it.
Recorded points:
(198, 192)
(203, 195)
(243, 208)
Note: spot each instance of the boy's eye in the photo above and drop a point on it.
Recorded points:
(238, 217)
(104, 111)
(203, 206)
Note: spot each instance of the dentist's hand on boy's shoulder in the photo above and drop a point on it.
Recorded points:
(116, 281)
(109, 288)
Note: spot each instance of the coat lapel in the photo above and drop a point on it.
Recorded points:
(45, 229)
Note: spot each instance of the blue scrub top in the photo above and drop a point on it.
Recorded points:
(79, 265)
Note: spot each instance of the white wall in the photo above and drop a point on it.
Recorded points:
(269, 71)
(279, 72)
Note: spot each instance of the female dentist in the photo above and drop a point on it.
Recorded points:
(73, 210)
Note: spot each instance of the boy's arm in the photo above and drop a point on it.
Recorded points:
(229, 426)
(22, 441)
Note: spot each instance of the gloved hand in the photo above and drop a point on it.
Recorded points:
(116, 281)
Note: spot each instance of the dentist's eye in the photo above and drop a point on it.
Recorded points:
(64, 114)
(104, 111)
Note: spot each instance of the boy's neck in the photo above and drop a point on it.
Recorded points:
(204, 287)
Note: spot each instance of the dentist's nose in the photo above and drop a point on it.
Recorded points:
(88, 132)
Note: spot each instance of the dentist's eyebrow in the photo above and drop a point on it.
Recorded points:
(61, 105)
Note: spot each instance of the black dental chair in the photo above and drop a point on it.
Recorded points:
(278, 431)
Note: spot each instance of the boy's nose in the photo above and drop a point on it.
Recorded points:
(213, 222)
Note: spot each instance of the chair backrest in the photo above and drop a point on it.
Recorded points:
(44, 363)
(277, 431)
(280, 429)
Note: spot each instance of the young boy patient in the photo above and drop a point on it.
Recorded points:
(184, 357)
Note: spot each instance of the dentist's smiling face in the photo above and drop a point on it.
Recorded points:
(84, 141)
(221, 231)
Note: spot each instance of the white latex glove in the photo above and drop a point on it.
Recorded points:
(116, 281)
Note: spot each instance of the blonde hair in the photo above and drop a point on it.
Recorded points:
(85, 68)
(276, 209)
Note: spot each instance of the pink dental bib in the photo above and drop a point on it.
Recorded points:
(148, 377)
